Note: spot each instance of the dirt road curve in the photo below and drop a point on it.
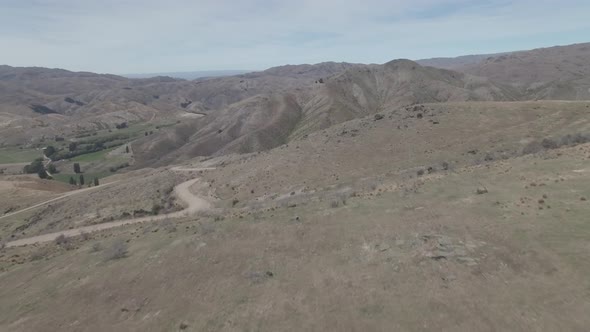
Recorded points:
(194, 204)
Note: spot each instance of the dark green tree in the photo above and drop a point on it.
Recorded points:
(52, 169)
(77, 168)
(49, 151)
(72, 181)
(81, 181)
(42, 174)
(96, 182)
(73, 146)
(34, 167)
(127, 149)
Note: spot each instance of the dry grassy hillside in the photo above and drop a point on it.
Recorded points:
(257, 123)
(455, 217)
(36, 102)
(261, 110)
(406, 141)
(366, 90)
(266, 121)
(559, 72)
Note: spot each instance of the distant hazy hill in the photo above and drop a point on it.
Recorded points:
(559, 72)
(191, 75)
(456, 62)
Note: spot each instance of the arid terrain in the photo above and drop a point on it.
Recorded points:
(440, 194)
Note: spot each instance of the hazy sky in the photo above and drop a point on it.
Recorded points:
(135, 36)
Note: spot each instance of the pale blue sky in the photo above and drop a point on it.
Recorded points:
(135, 36)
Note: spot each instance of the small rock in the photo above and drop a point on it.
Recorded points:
(481, 190)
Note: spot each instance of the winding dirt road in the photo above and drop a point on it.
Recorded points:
(194, 204)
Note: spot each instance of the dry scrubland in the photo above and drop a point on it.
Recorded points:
(328, 197)
(512, 258)
(362, 226)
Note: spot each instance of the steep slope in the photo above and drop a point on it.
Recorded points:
(257, 123)
(373, 88)
(218, 93)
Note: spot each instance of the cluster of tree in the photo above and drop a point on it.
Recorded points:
(81, 181)
(73, 101)
(89, 146)
(36, 166)
(41, 109)
(121, 125)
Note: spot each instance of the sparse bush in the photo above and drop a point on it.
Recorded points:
(575, 139)
(122, 125)
(61, 239)
(420, 172)
(445, 165)
(156, 208)
(38, 255)
(113, 169)
(549, 143)
(169, 226)
(341, 199)
(96, 247)
(85, 236)
(532, 147)
(118, 250)
(234, 202)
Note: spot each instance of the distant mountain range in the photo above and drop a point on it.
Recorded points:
(190, 75)
(249, 112)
